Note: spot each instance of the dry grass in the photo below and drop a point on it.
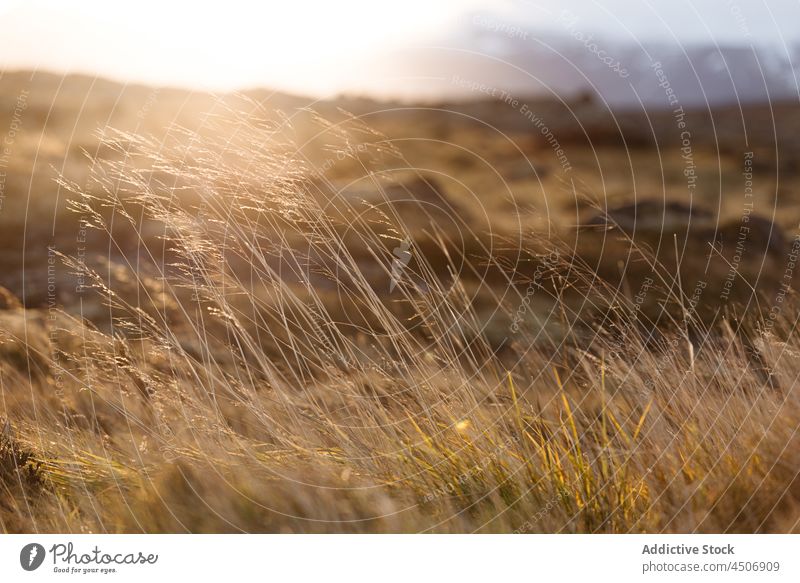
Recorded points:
(251, 373)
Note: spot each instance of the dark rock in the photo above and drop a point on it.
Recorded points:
(742, 261)
(755, 233)
(650, 215)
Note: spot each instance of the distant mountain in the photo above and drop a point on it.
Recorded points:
(483, 59)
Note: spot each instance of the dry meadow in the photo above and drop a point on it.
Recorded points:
(263, 313)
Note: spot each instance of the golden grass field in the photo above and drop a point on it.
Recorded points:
(260, 313)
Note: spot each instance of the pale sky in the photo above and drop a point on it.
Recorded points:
(327, 46)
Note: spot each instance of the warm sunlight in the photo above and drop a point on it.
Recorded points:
(447, 267)
(307, 47)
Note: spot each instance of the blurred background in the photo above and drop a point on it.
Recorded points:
(516, 119)
(714, 52)
(364, 263)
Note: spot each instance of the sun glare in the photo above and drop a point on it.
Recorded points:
(308, 47)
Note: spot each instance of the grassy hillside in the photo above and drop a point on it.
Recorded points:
(266, 314)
